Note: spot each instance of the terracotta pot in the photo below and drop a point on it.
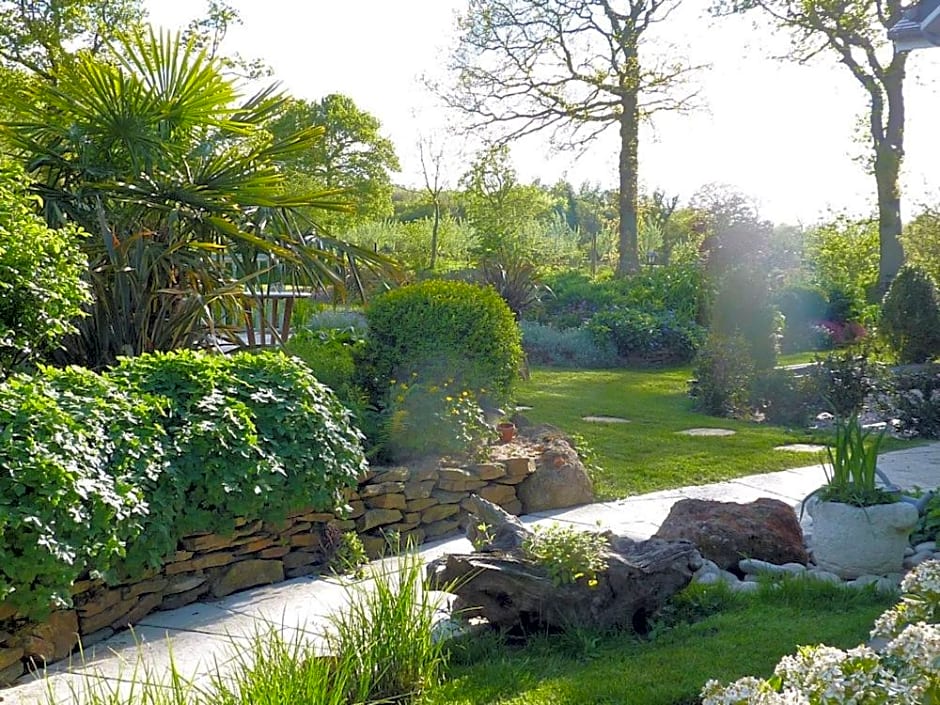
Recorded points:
(507, 431)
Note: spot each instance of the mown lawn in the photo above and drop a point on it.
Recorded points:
(647, 453)
(748, 636)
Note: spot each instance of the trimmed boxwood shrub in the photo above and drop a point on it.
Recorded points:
(104, 473)
(443, 330)
(910, 316)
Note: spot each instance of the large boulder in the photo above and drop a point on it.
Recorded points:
(726, 532)
(560, 479)
(501, 584)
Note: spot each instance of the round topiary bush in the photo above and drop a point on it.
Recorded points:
(910, 316)
(443, 330)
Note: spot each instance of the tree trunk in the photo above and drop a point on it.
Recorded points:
(628, 262)
(889, 153)
(434, 232)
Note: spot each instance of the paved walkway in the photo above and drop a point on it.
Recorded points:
(202, 637)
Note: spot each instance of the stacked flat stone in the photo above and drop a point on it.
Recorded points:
(415, 504)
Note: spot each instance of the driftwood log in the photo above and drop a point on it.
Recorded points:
(499, 583)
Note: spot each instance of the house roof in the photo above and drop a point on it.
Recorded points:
(919, 28)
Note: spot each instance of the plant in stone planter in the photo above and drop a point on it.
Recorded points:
(858, 527)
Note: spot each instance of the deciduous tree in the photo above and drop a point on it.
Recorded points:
(352, 156)
(854, 32)
(575, 68)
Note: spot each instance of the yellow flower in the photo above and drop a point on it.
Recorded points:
(448, 398)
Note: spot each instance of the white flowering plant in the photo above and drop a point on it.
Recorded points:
(901, 666)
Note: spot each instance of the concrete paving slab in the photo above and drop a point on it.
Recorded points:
(153, 651)
(792, 487)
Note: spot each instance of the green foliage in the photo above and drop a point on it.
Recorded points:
(156, 153)
(742, 307)
(567, 554)
(844, 257)
(496, 204)
(916, 398)
(387, 628)
(853, 458)
(785, 398)
(576, 297)
(331, 356)
(921, 240)
(352, 156)
(802, 308)
(515, 277)
(343, 550)
(660, 337)
(42, 37)
(433, 418)
(72, 448)
(723, 372)
(845, 380)
(443, 330)
(573, 348)
(104, 473)
(243, 427)
(928, 525)
(41, 287)
(910, 316)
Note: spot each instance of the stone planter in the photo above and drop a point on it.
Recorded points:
(852, 541)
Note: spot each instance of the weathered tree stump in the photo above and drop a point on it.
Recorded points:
(512, 592)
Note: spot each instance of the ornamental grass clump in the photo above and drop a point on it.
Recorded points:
(852, 467)
(900, 667)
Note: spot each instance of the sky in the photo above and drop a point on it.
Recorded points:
(783, 133)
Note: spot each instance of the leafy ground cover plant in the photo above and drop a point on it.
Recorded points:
(243, 427)
(567, 554)
(104, 473)
(69, 500)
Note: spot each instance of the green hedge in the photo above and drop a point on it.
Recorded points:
(104, 473)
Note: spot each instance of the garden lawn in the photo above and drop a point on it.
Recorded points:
(648, 454)
(669, 668)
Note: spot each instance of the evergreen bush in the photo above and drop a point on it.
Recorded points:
(724, 371)
(443, 330)
(910, 316)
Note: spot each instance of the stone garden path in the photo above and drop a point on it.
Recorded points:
(201, 638)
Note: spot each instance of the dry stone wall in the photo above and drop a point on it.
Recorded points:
(417, 503)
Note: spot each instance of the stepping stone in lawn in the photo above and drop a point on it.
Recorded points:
(707, 432)
(801, 448)
(605, 419)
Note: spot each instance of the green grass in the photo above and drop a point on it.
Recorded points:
(738, 637)
(647, 454)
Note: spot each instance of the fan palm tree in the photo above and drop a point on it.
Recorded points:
(174, 176)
